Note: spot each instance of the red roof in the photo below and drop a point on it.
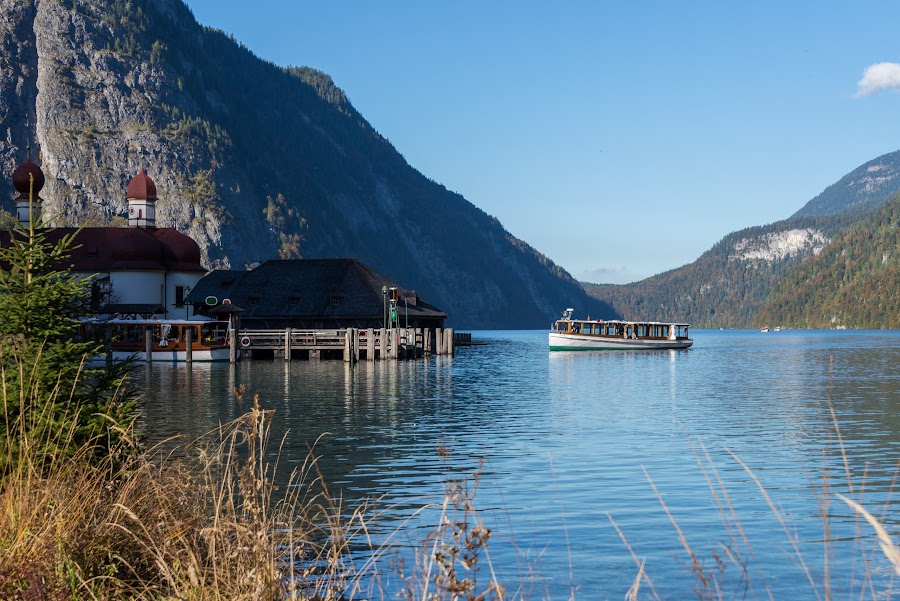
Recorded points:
(141, 187)
(100, 249)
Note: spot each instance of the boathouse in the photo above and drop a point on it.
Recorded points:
(312, 294)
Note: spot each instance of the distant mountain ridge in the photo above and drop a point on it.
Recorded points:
(730, 284)
(252, 160)
(867, 187)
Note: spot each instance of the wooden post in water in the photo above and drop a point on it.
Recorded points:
(438, 341)
(189, 338)
(232, 347)
(356, 349)
(148, 343)
(287, 344)
(449, 335)
(348, 344)
(426, 342)
(382, 343)
(370, 344)
(420, 351)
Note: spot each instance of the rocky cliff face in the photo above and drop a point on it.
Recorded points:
(251, 160)
(780, 245)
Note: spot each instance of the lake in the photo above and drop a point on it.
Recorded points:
(572, 445)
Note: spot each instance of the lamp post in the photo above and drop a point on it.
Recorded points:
(384, 314)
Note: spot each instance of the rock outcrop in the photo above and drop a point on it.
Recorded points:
(252, 160)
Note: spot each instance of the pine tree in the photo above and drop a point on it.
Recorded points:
(51, 398)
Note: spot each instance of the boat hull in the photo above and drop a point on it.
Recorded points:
(580, 342)
(174, 355)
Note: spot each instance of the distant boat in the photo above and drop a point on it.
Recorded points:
(777, 328)
(764, 329)
(569, 334)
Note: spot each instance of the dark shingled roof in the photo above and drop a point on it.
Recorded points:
(326, 291)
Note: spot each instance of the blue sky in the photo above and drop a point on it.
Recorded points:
(653, 129)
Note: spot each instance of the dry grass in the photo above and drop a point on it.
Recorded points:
(213, 526)
(731, 570)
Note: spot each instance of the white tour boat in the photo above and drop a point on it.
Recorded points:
(168, 339)
(569, 334)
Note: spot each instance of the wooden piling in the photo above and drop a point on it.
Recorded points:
(148, 344)
(287, 344)
(448, 334)
(348, 344)
(370, 344)
(232, 347)
(382, 340)
(189, 339)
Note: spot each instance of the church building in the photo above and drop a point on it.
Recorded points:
(139, 271)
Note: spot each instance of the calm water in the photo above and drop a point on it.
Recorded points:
(572, 440)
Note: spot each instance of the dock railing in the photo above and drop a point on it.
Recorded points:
(352, 344)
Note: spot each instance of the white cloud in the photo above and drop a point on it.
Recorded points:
(878, 77)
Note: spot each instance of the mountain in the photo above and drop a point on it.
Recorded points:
(252, 160)
(854, 282)
(867, 187)
(729, 285)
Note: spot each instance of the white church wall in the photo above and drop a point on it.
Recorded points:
(137, 286)
(185, 280)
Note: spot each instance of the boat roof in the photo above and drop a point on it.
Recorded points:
(156, 322)
(631, 322)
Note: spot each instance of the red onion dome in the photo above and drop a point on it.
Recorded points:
(141, 187)
(22, 180)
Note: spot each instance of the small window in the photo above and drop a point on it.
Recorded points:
(92, 254)
(179, 296)
(292, 300)
(254, 300)
(335, 301)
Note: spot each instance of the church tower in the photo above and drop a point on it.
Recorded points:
(141, 196)
(28, 179)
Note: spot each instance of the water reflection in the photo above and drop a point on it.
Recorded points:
(567, 438)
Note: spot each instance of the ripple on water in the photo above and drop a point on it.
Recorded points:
(570, 440)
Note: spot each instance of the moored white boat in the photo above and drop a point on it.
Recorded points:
(569, 334)
(168, 339)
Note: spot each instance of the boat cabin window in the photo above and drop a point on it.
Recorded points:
(128, 333)
(214, 333)
(184, 333)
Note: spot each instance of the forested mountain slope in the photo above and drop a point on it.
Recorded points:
(730, 283)
(252, 160)
(854, 282)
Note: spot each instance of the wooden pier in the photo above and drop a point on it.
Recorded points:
(349, 344)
